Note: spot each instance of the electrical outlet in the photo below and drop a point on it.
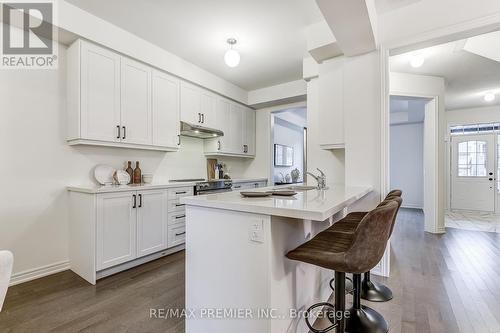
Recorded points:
(256, 231)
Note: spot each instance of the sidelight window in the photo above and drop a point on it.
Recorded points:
(472, 158)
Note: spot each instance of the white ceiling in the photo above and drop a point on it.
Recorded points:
(384, 6)
(271, 33)
(468, 76)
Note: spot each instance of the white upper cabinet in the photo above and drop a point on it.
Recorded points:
(165, 110)
(198, 106)
(238, 124)
(249, 132)
(331, 103)
(110, 101)
(136, 119)
(190, 104)
(236, 117)
(208, 114)
(98, 83)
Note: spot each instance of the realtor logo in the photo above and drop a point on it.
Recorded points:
(28, 35)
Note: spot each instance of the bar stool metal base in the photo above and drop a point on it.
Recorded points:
(365, 320)
(375, 292)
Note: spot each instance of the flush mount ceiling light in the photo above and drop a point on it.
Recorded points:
(489, 97)
(417, 60)
(232, 57)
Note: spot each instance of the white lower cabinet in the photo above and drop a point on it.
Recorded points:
(116, 229)
(113, 231)
(151, 216)
(249, 185)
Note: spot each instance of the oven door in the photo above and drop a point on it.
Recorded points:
(222, 190)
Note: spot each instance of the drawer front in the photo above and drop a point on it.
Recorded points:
(179, 192)
(176, 235)
(177, 218)
(175, 206)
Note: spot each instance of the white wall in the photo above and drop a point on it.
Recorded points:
(407, 165)
(291, 135)
(485, 114)
(332, 162)
(37, 165)
(428, 86)
(362, 110)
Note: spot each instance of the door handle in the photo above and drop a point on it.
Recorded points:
(124, 132)
(178, 140)
(119, 131)
(202, 118)
(199, 117)
(140, 200)
(180, 233)
(218, 145)
(491, 173)
(180, 217)
(135, 201)
(490, 179)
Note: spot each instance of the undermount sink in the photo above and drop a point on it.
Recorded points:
(301, 188)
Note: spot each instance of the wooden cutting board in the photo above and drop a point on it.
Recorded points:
(211, 162)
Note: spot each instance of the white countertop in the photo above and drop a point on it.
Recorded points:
(94, 189)
(317, 205)
(249, 180)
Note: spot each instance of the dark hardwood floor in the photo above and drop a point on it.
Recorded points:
(441, 283)
(64, 302)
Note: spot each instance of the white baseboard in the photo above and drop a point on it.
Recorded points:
(35, 273)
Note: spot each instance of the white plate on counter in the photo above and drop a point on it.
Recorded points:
(104, 174)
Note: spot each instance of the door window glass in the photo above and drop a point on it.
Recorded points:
(472, 158)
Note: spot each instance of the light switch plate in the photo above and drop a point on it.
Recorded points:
(256, 231)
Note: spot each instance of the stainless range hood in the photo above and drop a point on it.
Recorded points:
(199, 132)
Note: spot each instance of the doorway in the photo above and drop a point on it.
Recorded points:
(472, 172)
(288, 146)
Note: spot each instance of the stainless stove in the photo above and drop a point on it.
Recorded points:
(213, 186)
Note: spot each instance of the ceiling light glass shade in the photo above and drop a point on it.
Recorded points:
(417, 61)
(232, 58)
(489, 97)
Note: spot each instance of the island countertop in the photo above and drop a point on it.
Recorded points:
(316, 205)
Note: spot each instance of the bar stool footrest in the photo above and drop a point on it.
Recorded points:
(330, 316)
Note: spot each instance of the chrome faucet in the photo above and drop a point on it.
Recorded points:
(321, 179)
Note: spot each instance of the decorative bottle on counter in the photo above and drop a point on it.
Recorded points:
(130, 172)
(137, 173)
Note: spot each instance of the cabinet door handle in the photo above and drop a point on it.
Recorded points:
(199, 117)
(178, 140)
(202, 118)
(180, 205)
(183, 192)
(124, 132)
(180, 217)
(119, 131)
(140, 200)
(218, 145)
(135, 201)
(180, 233)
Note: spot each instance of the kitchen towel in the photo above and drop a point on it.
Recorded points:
(6, 261)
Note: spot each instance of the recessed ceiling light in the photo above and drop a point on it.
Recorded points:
(232, 57)
(489, 97)
(417, 60)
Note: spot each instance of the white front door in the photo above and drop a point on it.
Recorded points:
(472, 172)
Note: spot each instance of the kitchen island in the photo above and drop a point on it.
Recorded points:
(237, 276)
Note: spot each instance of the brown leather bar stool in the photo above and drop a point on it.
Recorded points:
(356, 253)
(370, 291)
(363, 319)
